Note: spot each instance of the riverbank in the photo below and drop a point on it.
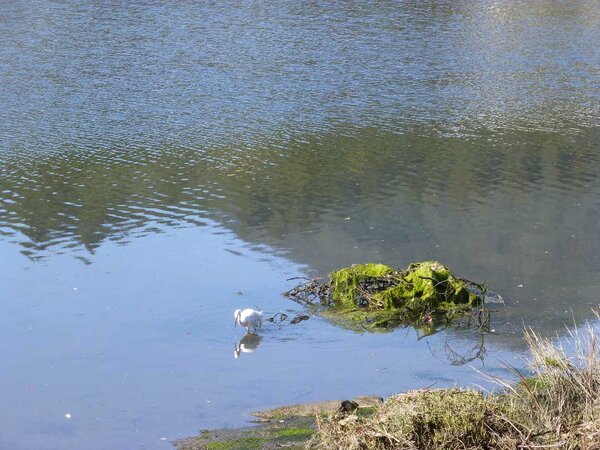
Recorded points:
(557, 405)
(290, 426)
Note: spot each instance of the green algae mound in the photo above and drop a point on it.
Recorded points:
(348, 285)
(376, 296)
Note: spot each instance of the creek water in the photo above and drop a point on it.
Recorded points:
(164, 163)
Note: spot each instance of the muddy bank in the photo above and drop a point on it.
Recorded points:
(289, 427)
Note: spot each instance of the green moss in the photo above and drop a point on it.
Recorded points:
(347, 283)
(291, 433)
(294, 432)
(426, 286)
(219, 446)
(378, 298)
(247, 443)
(366, 411)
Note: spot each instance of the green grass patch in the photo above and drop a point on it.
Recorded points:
(247, 443)
(294, 432)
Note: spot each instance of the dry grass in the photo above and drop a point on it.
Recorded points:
(557, 407)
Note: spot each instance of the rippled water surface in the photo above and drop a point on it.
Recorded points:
(162, 164)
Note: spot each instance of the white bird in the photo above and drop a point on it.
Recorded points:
(249, 318)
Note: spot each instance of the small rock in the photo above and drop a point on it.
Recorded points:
(348, 406)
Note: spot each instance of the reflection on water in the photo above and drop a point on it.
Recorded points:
(186, 151)
(519, 210)
(247, 344)
(464, 356)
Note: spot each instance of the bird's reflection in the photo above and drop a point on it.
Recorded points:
(247, 344)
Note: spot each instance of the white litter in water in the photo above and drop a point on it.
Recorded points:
(67, 416)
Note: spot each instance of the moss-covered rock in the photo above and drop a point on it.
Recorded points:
(376, 296)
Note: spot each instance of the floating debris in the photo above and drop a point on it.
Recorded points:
(280, 317)
(379, 297)
(299, 318)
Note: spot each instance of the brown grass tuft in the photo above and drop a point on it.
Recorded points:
(557, 407)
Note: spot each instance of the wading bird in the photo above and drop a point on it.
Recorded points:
(248, 318)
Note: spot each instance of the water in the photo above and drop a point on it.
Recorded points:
(161, 166)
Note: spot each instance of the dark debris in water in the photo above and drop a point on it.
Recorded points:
(282, 317)
(299, 318)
